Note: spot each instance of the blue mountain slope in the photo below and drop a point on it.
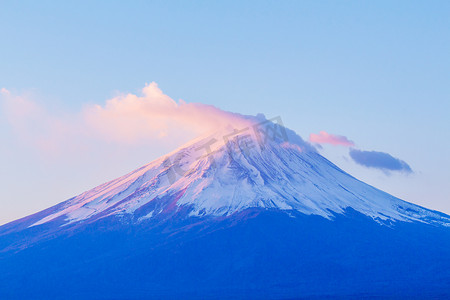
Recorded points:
(252, 254)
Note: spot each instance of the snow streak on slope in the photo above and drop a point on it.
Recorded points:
(263, 165)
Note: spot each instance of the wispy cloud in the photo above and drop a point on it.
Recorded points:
(379, 160)
(326, 138)
(130, 119)
(370, 159)
(4, 91)
(153, 115)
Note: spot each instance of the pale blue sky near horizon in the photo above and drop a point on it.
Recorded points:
(377, 72)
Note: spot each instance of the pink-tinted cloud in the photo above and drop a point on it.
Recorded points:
(4, 91)
(32, 123)
(326, 138)
(153, 115)
(151, 118)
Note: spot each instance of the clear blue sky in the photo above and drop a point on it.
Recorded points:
(377, 72)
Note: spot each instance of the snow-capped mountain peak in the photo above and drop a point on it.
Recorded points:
(262, 165)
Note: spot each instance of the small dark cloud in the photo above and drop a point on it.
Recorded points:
(379, 160)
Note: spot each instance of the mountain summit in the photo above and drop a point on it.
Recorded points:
(242, 212)
(262, 165)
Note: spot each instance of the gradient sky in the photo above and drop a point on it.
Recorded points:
(376, 73)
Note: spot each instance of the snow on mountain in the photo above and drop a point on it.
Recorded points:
(263, 165)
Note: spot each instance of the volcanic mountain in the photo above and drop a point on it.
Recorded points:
(248, 212)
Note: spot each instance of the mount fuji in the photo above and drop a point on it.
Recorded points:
(248, 211)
